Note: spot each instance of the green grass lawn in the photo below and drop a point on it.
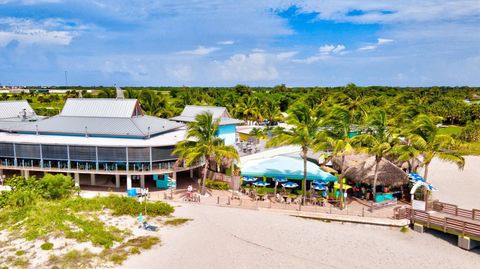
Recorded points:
(450, 130)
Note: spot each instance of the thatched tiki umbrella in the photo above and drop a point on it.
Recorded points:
(360, 168)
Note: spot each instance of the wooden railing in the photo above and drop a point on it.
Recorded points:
(452, 224)
(451, 209)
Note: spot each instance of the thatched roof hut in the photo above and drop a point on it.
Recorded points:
(361, 168)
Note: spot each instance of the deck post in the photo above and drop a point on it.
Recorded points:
(117, 181)
(92, 179)
(77, 179)
(466, 243)
(142, 181)
(129, 181)
(26, 173)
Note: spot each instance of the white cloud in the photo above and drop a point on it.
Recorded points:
(199, 51)
(248, 67)
(324, 52)
(46, 32)
(286, 55)
(391, 11)
(380, 42)
(226, 42)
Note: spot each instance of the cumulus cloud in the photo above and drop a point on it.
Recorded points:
(324, 52)
(248, 67)
(380, 42)
(199, 51)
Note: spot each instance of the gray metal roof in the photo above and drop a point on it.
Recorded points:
(141, 126)
(13, 110)
(101, 107)
(190, 112)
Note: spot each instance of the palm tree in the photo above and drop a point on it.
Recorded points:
(337, 139)
(305, 133)
(201, 142)
(425, 136)
(378, 143)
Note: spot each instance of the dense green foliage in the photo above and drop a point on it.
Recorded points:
(217, 185)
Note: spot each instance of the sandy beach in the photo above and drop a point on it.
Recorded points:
(456, 186)
(238, 238)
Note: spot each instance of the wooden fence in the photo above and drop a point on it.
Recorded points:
(458, 221)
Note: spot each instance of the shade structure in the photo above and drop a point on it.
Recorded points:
(360, 168)
(280, 179)
(290, 185)
(249, 179)
(290, 167)
(320, 182)
(319, 188)
(261, 184)
(414, 177)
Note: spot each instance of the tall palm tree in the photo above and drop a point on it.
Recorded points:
(336, 139)
(305, 133)
(201, 142)
(425, 136)
(378, 143)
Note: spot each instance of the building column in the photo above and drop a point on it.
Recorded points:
(129, 181)
(92, 179)
(142, 181)
(191, 172)
(26, 173)
(76, 177)
(117, 181)
(1, 172)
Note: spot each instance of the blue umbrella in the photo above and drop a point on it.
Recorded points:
(261, 184)
(415, 177)
(279, 179)
(249, 179)
(319, 188)
(290, 185)
(320, 182)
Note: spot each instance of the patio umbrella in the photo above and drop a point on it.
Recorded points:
(261, 184)
(249, 179)
(319, 182)
(290, 185)
(319, 188)
(414, 177)
(278, 180)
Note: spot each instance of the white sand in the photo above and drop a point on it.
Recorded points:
(456, 186)
(238, 238)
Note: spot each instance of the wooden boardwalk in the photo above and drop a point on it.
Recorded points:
(447, 218)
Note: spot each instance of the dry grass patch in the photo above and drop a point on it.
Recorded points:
(177, 221)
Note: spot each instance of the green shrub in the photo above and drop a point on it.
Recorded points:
(217, 185)
(46, 246)
(176, 222)
(56, 186)
(20, 252)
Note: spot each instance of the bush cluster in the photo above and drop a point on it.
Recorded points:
(217, 185)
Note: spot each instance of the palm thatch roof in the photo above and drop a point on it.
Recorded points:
(361, 168)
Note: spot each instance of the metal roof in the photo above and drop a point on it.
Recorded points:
(11, 110)
(166, 139)
(142, 126)
(190, 112)
(101, 107)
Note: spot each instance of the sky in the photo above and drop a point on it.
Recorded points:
(229, 42)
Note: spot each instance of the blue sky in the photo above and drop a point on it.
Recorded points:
(227, 42)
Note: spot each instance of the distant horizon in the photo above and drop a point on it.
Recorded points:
(301, 43)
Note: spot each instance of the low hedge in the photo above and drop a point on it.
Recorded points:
(217, 185)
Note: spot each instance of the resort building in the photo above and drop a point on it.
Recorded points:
(99, 142)
(227, 129)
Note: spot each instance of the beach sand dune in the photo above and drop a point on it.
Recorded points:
(237, 238)
(460, 187)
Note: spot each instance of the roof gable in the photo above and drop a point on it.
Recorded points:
(15, 109)
(101, 107)
(217, 112)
